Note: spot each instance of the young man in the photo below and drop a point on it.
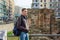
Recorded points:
(23, 25)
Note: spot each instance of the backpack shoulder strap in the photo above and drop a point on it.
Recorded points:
(18, 22)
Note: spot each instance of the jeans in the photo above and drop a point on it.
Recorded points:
(24, 36)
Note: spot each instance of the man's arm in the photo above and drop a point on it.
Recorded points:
(19, 24)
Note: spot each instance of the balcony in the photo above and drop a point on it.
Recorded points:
(1, 5)
(35, 3)
(35, 7)
(58, 16)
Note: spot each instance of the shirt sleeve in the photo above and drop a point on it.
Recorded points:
(19, 25)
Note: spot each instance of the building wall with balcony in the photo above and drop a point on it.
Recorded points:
(6, 9)
(17, 12)
(10, 8)
(3, 11)
(35, 3)
(50, 4)
(42, 4)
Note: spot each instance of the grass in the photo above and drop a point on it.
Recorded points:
(10, 33)
(11, 37)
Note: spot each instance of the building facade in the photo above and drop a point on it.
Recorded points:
(10, 8)
(50, 4)
(40, 4)
(3, 11)
(6, 9)
(17, 11)
(35, 3)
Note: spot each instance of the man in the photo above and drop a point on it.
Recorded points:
(23, 25)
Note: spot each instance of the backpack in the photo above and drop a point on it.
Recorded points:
(16, 31)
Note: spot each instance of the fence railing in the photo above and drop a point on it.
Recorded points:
(45, 36)
(41, 37)
(33, 35)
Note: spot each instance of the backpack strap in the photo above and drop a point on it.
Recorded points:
(18, 21)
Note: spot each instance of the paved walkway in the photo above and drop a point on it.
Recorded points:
(7, 27)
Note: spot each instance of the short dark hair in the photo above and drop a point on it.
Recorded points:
(23, 9)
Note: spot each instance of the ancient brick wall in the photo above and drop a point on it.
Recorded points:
(41, 19)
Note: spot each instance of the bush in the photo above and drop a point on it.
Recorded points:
(10, 33)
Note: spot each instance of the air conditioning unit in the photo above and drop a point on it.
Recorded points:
(3, 35)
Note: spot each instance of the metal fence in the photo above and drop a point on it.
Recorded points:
(39, 37)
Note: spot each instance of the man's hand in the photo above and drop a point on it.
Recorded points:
(29, 22)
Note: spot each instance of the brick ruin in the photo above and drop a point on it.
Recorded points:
(42, 20)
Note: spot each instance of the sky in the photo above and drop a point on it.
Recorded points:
(23, 3)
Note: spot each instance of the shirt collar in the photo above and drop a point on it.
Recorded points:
(24, 16)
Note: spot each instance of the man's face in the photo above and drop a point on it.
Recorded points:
(25, 12)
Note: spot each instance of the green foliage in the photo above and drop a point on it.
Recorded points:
(10, 33)
(11, 37)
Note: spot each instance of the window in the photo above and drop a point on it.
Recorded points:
(36, 5)
(50, 0)
(4, 6)
(4, 10)
(59, 10)
(50, 5)
(0, 6)
(33, 0)
(45, 5)
(44, 0)
(58, 5)
(41, 0)
(0, 1)
(0, 10)
(58, 24)
(58, 14)
(32, 5)
(36, 0)
(58, 0)
(41, 5)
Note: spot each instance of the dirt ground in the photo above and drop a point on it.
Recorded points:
(7, 27)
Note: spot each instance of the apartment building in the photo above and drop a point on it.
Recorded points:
(17, 11)
(10, 8)
(3, 11)
(6, 9)
(50, 4)
(40, 4)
